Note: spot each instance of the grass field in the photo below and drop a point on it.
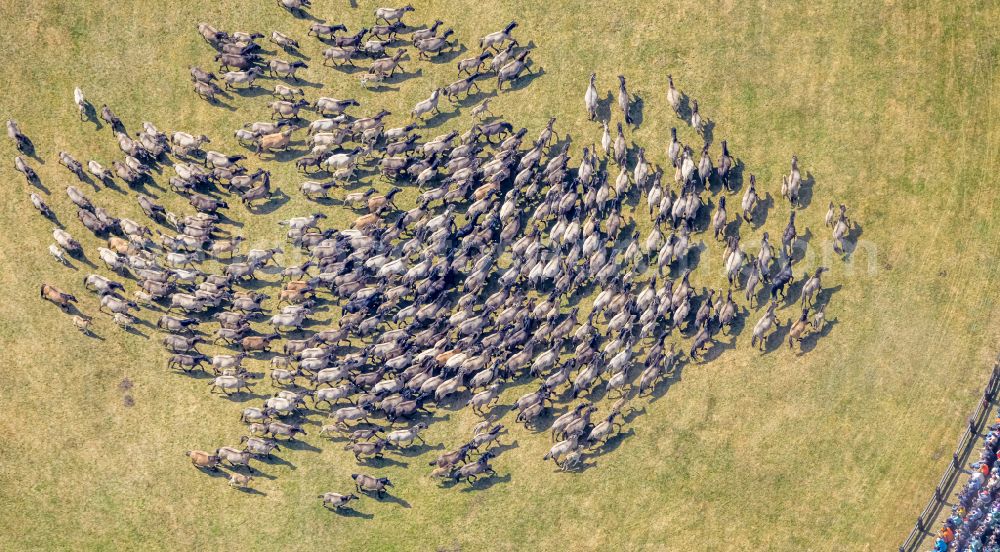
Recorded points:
(890, 106)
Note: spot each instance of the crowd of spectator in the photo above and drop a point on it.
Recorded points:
(974, 524)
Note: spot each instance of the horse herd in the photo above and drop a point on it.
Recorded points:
(470, 292)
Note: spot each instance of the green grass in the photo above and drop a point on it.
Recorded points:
(891, 106)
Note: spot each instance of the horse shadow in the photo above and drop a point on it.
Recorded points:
(302, 14)
(774, 340)
(216, 472)
(543, 422)
(250, 491)
(351, 513)
(277, 199)
(81, 257)
(29, 150)
(89, 114)
(632, 414)
(382, 88)
(441, 117)
(223, 219)
(684, 107)
(222, 92)
(806, 190)
(718, 347)
(793, 292)
(662, 386)
(739, 323)
(604, 108)
(300, 82)
(450, 55)
(347, 68)
(37, 182)
(148, 180)
(851, 239)
(635, 111)
(299, 445)
(146, 323)
(250, 91)
(824, 295)
(285, 155)
(417, 450)
(689, 261)
(243, 396)
(195, 374)
(615, 441)
(219, 103)
(522, 82)
(579, 468)
(382, 462)
(93, 335)
(454, 402)
(395, 42)
(764, 206)
(198, 155)
(500, 449)
(565, 141)
(808, 343)
(801, 244)
(277, 460)
(736, 176)
(155, 308)
(689, 329)
(66, 262)
(586, 291)
(86, 179)
(631, 154)
(265, 52)
(401, 75)
(112, 185)
(485, 483)
(257, 473)
(390, 499)
(495, 409)
(256, 284)
(474, 98)
(708, 131)
(733, 227)
(328, 201)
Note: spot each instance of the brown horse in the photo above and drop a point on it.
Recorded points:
(57, 296)
(798, 330)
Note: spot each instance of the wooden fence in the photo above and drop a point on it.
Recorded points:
(968, 442)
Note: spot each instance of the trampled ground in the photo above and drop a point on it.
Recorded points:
(890, 107)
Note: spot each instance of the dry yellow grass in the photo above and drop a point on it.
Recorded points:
(889, 105)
